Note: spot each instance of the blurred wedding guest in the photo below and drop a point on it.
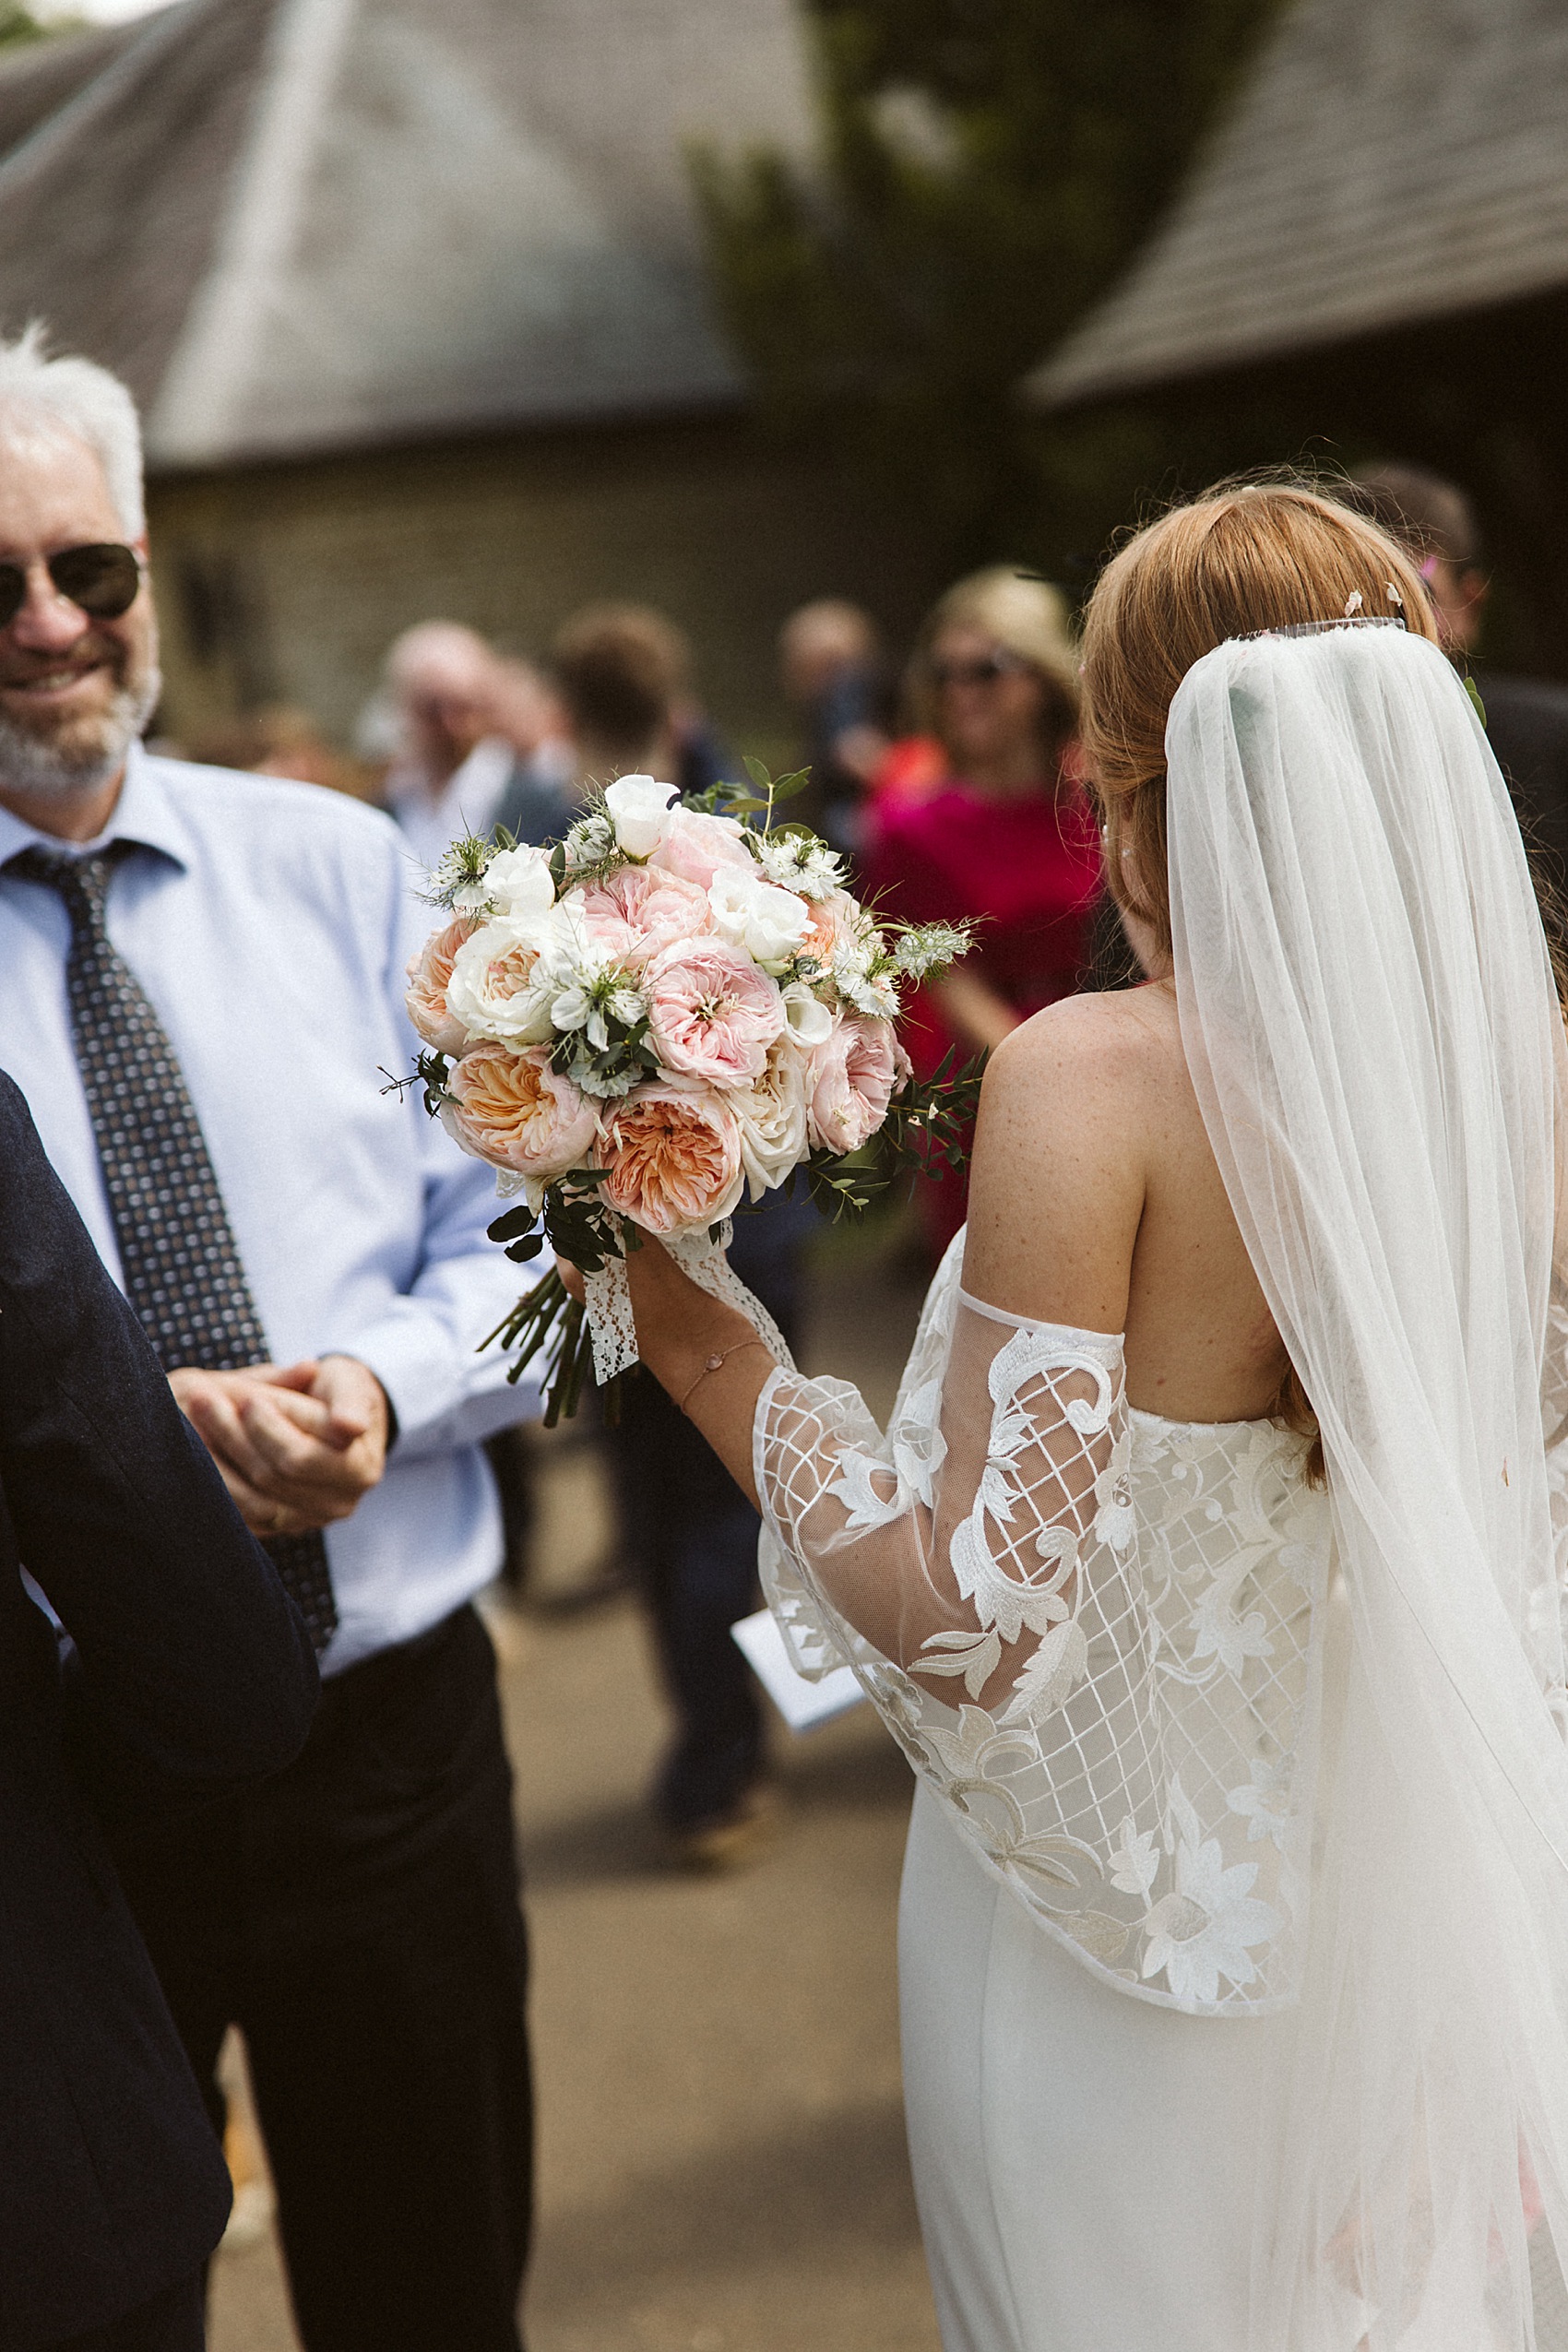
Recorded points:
(686, 1532)
(470, 728)
(205, 975)
(623, 673)
(832, 669)
(1006, 841)
(1527, 718)
(175, 1667)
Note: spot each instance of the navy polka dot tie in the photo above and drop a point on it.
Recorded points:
(182, 1268)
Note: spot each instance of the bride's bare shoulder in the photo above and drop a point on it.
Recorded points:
(1066, 1116)
(1115, 1045)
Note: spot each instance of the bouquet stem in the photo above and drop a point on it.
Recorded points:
(547, 1318)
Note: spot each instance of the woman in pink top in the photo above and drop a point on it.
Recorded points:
(1006, 841)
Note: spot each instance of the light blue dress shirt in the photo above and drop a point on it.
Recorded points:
(269, 923)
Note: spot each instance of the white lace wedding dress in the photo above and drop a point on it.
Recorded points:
(1106, 1889)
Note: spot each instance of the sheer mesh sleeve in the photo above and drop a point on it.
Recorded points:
(1092, 1635)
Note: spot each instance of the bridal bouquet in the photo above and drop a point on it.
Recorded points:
(670, 1010)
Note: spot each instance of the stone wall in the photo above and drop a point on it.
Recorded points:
(285, 582)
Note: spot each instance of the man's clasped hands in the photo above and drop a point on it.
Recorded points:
(298, 1445)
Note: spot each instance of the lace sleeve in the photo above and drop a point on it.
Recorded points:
(1114, 1715)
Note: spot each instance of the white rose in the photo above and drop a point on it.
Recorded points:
(810, 1021)
(494, 988)
(518, 883)
(639, 809)
(767, 922)
(771, 1116)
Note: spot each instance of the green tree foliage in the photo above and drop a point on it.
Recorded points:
(19, 25)
(987, 168)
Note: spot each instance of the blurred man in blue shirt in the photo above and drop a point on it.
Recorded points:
(203, 979)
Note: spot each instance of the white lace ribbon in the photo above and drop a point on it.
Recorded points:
(608, 1299)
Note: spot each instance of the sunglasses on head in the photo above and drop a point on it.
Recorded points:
(104, 580)
(984, 671)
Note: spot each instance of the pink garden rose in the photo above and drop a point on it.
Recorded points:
(512, 1110)
(639, 911)
(429, 973)
(675, 1158)
(849, 1083)
(711, 1013)
(697, 845)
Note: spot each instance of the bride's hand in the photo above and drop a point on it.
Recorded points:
(574, 1286)
(704, 1354)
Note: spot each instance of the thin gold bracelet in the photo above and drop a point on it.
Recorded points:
(713, 1363)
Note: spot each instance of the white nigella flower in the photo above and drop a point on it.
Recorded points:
(930, 948)
(852, 976)
(627, 1005)
(798, 862)
(459, 878)
(590, 840)
(570, 1009)
(639, 810)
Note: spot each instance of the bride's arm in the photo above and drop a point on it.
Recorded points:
(1056, 1191)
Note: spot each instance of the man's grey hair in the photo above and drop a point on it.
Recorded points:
(82, 398)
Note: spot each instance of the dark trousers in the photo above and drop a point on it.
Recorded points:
(358, 1920)
(172, 2321)
(691, 1537)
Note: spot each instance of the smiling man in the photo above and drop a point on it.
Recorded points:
(203, 985)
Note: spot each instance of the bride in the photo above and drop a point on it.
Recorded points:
(1208, 1574)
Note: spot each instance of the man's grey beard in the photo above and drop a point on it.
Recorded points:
(33, 765)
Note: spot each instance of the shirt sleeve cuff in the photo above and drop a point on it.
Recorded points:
(414, 1364)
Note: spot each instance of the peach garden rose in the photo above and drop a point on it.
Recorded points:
(673, 1157)
(512, 1108)
(430, 973)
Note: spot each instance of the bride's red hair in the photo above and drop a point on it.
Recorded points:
(1253, 555)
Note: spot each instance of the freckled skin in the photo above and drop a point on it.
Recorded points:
(1096, 1201)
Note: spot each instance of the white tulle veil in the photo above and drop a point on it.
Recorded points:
(1368, 1011)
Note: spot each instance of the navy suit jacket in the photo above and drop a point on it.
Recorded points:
(187, 1668)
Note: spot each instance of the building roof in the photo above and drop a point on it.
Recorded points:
(1388, 162)
(301, 225)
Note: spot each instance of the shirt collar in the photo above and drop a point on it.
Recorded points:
(144, 814)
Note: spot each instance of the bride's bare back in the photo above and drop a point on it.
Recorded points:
(1096, 1202)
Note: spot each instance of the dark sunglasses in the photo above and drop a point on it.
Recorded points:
(104, 580)
(983, 671)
